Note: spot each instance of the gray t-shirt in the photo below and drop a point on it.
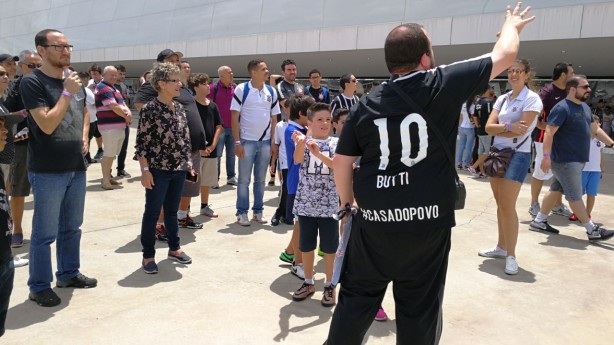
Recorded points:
(61, 151)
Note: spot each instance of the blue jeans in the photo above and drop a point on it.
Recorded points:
(465, 143)
(7, 275)
(257, 155)
(167, 191)
(226, 139)
(59, 201)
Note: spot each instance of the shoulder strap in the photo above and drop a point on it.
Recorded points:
(429, 121)
(273, 95)
(245, 91)
(214, 92)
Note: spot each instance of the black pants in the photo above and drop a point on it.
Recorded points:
(415, 262)
(283, 197)
(7, 274)
(121, 158)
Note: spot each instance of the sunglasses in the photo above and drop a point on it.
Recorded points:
(4, 74)
(58, 47)
(587, 86)
(33, 65)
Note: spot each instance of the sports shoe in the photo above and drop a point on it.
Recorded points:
(20, 262)
(285, 257)
(511, 266)
(381, 315)
(79, 281)
(562, 210)
(45, 298)
(534, 209)
(232, 181)
(161, 233)
(459, 167)
(298, 270)
(122, 174)
(208, 211)
(150, 267)
(304, 291)
(573, 217)
(189, 223)
(275, 220)
(99, 154)
(600, 234)
(496, 253)
(286, 221)
(242, 220)
(259, 219)
(16, 240)
(542, 226)
(472, 171)
(182, 258)
(329, 296)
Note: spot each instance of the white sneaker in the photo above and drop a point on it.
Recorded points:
(242, 220)
(534, 209)
(511, 266)
(208, 211)
(495, 252)
(20, 262)
(562, 210)
(232, 181)
(259, 218)
(298, 271)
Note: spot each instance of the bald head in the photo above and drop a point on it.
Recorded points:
(225, 74)
(405, 47)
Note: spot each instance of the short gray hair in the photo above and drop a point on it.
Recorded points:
(25, 53)
(108, 68)
(161, 72)
(220, 69)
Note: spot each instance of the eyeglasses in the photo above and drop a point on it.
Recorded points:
(33, 65)
(58, 47)
(587, 86)
(514, 70)
(172, 81)
(4, 74)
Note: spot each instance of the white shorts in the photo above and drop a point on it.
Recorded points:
(538, 174)
(112, 139)
(208, 172)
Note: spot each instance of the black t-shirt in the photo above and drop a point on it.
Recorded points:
(61, 151)
(321, 95)
(285, 90)
(405, 181)
(14, 103)
(6, 225)
(210, 117)
(197, 133)
(482, 112)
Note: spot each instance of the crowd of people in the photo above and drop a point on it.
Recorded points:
(328, 158)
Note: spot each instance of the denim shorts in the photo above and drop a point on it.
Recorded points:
(568, 181)
(519, 167)
(328, 229)
(590, 182)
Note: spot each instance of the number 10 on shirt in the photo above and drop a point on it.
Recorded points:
(382, 125)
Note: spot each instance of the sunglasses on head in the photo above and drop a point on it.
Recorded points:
(33, 65)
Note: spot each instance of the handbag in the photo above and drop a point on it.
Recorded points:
(498, 160)
(461, 192)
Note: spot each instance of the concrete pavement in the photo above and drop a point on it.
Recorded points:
(237, 291)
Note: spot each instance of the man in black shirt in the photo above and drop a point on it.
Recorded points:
(482, 112)
(7, 271)
(317, 91)
(405, 182)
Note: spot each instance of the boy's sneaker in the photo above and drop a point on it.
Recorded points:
(304, 291)
(285, 257)
(600, 234)
(99, 154)
(242, 220)
(329, 296)
(232, 181)
(534, 209)
(542, 226)
(298, 271)
(573, 217)
(511, 266)
(381, 315)
(259, 219)
(189, 223)
(562, 210)
(496, 253)
(161, 233)
(17, 240)
(208, 211)
(473, 172)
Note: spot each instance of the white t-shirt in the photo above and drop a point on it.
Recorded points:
(511, 111)
(90, 104)
(594, 158)
(467, 123)
(280, 129)
(256, 112)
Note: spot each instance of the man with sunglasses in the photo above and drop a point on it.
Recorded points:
(59, 126)
(566, 149)
(20, 186)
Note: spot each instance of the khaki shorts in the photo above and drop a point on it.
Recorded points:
(112, 141)
(208, 172)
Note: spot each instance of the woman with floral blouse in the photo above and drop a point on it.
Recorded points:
(163, 151)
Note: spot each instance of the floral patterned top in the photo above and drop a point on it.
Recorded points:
(163, 137)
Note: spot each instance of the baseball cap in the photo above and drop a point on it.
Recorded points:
(167, 53)
(4, 57)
